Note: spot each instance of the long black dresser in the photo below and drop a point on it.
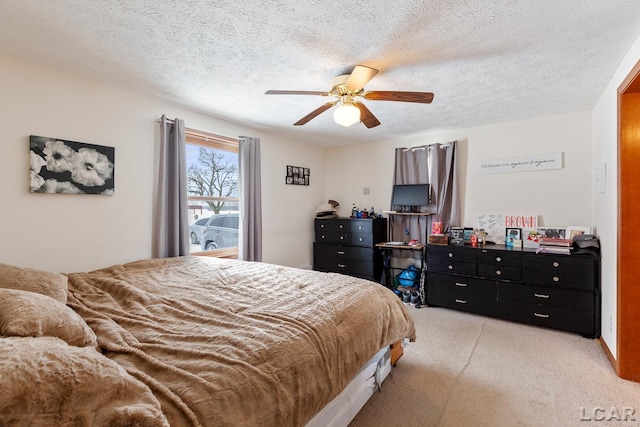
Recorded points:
(346, 245)
(551, 290)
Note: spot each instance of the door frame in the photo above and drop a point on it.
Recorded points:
(627, 363)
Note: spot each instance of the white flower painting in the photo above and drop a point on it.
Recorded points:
(60, 166)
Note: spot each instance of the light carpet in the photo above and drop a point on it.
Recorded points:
(468, 370)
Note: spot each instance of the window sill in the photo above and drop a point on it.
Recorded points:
(231, 253)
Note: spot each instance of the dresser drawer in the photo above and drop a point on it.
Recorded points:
(332, 225)
(361, 226)
(565, 298)
(362, 239)
(345, 266)
(558, 279)
(469, 285)
(336, 238)
(502, 272)
(452, 253)
(563, 264)
(479, 304)
(582, 322)
(449, 266)
(501, 258)
(338, 253)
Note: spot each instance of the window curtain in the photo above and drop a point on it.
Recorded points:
(433, 164)
(171, 225)
(250, 242)
(428, 164)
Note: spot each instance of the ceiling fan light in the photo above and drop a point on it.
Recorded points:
(346, 115)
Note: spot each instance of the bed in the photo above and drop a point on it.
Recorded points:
(192, 341)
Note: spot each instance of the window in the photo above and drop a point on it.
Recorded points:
(212, 185)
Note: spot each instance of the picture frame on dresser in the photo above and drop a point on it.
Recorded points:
(512, 234)
(573, 231)
(553, 232)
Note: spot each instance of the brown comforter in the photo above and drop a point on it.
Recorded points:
(232, 343)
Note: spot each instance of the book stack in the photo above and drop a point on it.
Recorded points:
(555, 245)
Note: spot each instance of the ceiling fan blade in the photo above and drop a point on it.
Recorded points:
(392, 95)
(359, 77)
(315, 113)
(366, 116)
(296, 92)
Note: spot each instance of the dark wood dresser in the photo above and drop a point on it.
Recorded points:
(551, 290)
(347, 246)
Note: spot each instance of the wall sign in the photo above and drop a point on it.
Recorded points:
(495, 225)
(534, 162)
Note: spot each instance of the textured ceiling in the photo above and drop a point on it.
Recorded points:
(486, 61)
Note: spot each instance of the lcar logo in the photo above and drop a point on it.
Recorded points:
(611, 414)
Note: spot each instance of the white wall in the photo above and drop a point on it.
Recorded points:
(560, 197)
(80, 232)
(605, 205)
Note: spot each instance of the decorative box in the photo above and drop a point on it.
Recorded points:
(438, 239)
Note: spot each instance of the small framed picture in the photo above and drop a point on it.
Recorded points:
(553, 232)
(511, 235)
(573, 231)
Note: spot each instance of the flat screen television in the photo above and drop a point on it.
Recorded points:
(410, 197)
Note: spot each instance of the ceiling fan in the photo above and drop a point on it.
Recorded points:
(346, 88)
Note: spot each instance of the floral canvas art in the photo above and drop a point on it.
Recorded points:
(60, 166)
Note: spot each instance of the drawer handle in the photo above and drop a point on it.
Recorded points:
(341, 252)
(461, 301)
(360, 239)
(498, 272)
(342, 265)
(541, 295)
(450, 255)
(544, 316)
(556, 264)
(461, 284)
(556, 279)
(321, 225)
(450, 267)
(322, 237)
(341, 237)
(359, 227)
(498, 259)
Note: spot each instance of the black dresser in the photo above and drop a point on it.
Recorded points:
(346, 245)
(551, 290)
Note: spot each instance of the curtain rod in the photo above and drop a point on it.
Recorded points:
(424, 147)
(202, 134)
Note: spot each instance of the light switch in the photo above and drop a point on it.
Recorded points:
(600, 177)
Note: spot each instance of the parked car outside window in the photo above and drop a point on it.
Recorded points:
(197, 229)
(221, 231)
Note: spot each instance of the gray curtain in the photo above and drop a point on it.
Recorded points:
(250, 244)
(171, 225)
(428, 164)
(445, 185)
(433, 164)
